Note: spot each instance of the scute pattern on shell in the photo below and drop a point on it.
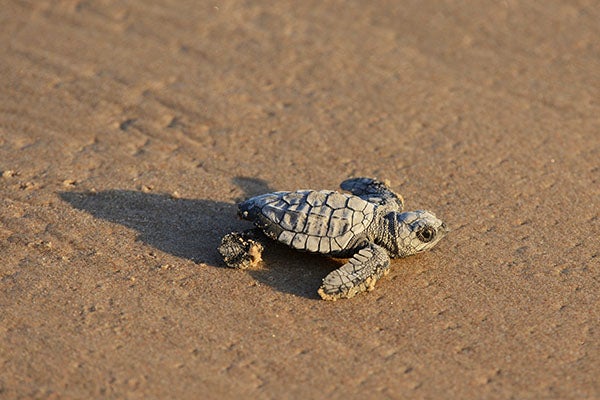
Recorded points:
(317, 221)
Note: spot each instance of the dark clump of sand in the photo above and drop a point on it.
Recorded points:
(129, 130)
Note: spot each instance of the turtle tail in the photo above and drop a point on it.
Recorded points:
(250, 209)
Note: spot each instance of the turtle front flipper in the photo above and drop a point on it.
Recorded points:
(374, 191)
(359, 274)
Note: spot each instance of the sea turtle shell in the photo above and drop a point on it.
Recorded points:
(324, 221)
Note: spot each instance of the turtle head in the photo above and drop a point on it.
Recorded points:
(418, 231)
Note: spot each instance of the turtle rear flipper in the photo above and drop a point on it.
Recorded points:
(241, 249)
(359, 274)
(374, 191)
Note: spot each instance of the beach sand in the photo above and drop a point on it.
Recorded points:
(129, 130)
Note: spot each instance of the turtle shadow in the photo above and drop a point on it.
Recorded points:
(292, 271)
(192, 229)
(185, 228)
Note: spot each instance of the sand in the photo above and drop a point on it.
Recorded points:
(128, 131)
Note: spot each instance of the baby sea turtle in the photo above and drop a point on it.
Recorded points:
(367, 225)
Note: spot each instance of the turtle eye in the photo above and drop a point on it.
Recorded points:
(426, 234)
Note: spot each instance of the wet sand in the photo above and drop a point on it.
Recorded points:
(129, 131)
